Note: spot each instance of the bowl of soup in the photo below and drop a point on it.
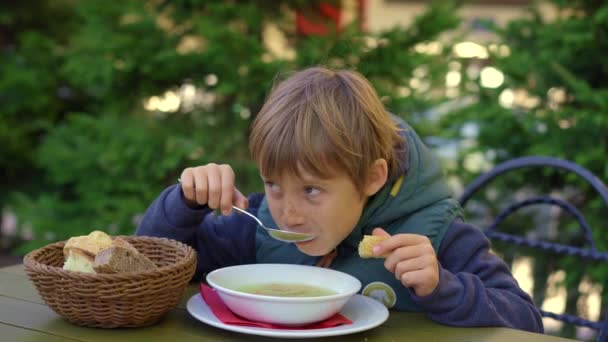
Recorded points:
(285, 294)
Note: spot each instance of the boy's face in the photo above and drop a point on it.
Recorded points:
(329, 209)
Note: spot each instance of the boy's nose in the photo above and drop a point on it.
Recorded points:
(291, 216)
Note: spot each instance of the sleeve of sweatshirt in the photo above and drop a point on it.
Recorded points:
(476, 287)
(218, 240)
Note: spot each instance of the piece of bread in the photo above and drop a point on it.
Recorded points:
(119, 259)
(90, 244)
(79, 251)
(366, 246)
(98, 252)
(78, 261)
(118, 241)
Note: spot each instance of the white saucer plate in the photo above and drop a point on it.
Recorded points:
(365, 313)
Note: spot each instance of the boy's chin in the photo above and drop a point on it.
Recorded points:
(309, 248)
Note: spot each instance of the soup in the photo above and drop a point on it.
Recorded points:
(286, 290)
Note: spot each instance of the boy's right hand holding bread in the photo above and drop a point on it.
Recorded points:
(410, 257)
(100, 253)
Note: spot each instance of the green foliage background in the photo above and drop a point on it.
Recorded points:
(78, 148)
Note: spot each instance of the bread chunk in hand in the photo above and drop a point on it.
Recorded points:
(366, 246)
(120, 259)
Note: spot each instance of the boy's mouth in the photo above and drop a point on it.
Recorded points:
(291, 230)
(301, 243)
(299, 230)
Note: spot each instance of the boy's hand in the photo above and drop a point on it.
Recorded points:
(212, 185)
(412, 259)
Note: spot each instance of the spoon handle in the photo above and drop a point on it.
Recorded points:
(241, 210)
(249, 214)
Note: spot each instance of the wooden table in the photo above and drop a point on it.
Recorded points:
(25, 317)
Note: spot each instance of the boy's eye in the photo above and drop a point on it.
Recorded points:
(312, 191)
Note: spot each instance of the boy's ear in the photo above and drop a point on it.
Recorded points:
(378, 174)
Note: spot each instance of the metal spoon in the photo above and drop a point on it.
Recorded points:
(278, 234)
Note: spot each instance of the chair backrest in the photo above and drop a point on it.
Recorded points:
(590, 253)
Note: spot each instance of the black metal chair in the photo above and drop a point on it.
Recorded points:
(590, 253)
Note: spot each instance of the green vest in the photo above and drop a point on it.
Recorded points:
(418, 202)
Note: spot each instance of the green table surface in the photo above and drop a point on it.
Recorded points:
(25, 317)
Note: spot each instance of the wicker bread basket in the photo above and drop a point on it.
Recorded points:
(132, 299)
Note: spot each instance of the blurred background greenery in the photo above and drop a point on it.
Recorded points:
(104, 103)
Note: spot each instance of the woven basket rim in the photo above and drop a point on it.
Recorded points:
(33, 265)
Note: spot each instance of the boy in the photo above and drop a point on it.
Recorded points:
(336, 165)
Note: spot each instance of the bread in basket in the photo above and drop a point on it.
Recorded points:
(109, 300)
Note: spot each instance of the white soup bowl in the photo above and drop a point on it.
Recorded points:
(291, 311)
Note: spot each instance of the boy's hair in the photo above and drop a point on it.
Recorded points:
(324, 122)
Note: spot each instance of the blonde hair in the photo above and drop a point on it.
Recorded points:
(324, 122)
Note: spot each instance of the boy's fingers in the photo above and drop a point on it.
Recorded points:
(379, 249)
(403, 240)
(200, 189)
(412, 278)
(394, 242)
(214, 188)
(227, 189)
(240, 200)
(187, 184)
(403, 266)
(380, 232)
(400, 266)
